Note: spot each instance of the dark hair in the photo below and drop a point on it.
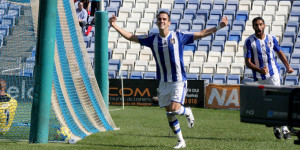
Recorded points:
(257, 18)
(163, 12)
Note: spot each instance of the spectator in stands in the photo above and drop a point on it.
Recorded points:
(167, 48)
(86, 4)
(82, 16)
(259, 50)
(7, 109)
(95, 5)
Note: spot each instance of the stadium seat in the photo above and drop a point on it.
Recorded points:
(228, 27)
(258, 5)
(209, 67)
(121, 22)
(286, 47)
(146, 24)
(119, 54)
(239, 57)
(242, 15)
(217, 46)
(237, 68)
(238, 25)
(296, 68)
(87, 41)
(154, 4)
(221, 35)
(124, 12)
(127, 64)
(211, 23)
(141, 4)
(232, 5)
(246, 34)
(230, 14)
(209, 38)
(185, 24)
(128, 3)
(115, 3)
(295, 16)
(136, 75)
(207, 78)
(291, 80)
(14, 10)
(219, 79)
(198, 24)
(176, 14)
(254, 13)
(227, 57)
(164, 9)
(137, 12)
(231, 46)
(132, 54)
(191, 47)
(150, 13)
(287, 55)
(289, 36)
(277, 34)
(166, 4)
(234, 79)
(219, 5)
(295, 59)
(296, 6)
(296, 48)
(284, 6)
(223, 68)
(206, 4)
(4, 30)
(193, 4)
(195, 67)
(245, 5)
(188, 56)
(202, 14)
(123, 73)
(214, 56)
(268, 15)
(152, 66)
(204, 46)
(281, 16)
(149, 75)
(234, 36)
(141, 65)
(200, 56)
(3, 9)
(282, 69)
(192, 76)
(146, 55)
(248, 72)
(133, 23)
(123, 43)
(189, 14)
(216, 15)
(111, 74)
(271, 6)
(180, 4)
(112, 42)
(292, 26)
(247, 79)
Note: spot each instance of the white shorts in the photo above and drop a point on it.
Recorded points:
(272, 80)
(171, 92)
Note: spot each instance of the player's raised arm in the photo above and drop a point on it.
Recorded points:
(285, 62)
(206, 32)
(127, 35)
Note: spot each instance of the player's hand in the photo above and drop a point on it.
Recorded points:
(264, 70)
(289, 70)
(112, 20)
(224, 22)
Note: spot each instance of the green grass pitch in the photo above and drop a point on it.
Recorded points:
(147, 128)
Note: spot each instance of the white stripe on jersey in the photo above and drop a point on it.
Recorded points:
(272, 54)
(155, 42)
(167, 59)
(177, 58)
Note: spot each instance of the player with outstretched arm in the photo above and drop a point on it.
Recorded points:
(167, 48)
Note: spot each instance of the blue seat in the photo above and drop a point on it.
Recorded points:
(287, 56)
(149, 75)
(295, 16)
(234, 79)
(238, 25)
(204, 46)
(206, 4)
(115, 3)
(189, 14)
(219, 79)
(296, 48)
(87, 41)
(124, 75)
(3, 9)
(164, 9)
(179, 4)
(209, 38)
(217, 46)
(232, 5)
(291, 80)
(248, 72)
(154, 31)
(286, 47)
(295, 59)
(192, 76)
(207, 78)
(4, 30)
(298, 37)
(174, 24)
(228, 27)
(111, 74)
(185, 24)
(176, 14)
(230, 14)
(109, 53)
(136, 75)
(296, 6)
(191, 47)
(219, 5)
(30, 62)
(211, 23)
(198, 24)
(8, 20)
(242, 15)
(193, 4)
(112, 11)
(114, 64)
(289, 37)
(202, 14)
(246, 79)
(292, 26)
(296, 68)
(234, 35)
(14, 10)
(221, 35)
(282, 69)
(216, 15)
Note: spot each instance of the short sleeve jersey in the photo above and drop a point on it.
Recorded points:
(168, 54)
(262, 53)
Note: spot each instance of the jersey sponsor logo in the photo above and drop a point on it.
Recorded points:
(172, 41)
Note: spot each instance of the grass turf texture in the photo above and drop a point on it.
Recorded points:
(147, 128)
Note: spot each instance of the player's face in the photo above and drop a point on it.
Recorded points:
(80, 6)
(259, 27)
(163, 21)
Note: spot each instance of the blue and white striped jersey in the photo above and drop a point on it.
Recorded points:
(262, 54)
(168, 54)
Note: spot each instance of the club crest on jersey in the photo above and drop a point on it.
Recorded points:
(269, 44)
(172, 41)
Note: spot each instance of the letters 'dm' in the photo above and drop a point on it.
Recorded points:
(233, 98)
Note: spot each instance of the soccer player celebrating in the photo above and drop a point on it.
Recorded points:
(8, 107)
(259, 51)
(167, 48)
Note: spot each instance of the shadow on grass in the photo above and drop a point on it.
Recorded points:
(124, 146)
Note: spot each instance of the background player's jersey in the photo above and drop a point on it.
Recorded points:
(8, 106)
(262, 54)
(168, 54)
